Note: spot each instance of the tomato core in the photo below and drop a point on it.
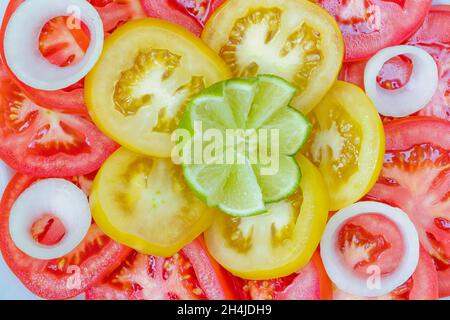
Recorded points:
(370, 239)
(64, 40)
(48, 230)
(395, 73)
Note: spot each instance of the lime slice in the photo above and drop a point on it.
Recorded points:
(247, 136)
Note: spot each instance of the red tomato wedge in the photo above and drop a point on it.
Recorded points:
(45, 143)
(190, 14)
(63, 46)
(416, 178)
(434, 39)
(309, 283)
(370, 25)
(422, 285)
(60, 278)
(190, 274)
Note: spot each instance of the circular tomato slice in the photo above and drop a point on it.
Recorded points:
(45, 143)
(279, 242)
(188, 275)
(64, 277)
(347, 143)
(309, 283)
(371, 25)
(190, 14)
(62, 46)
(145, 203)
(432, 38)
(148, 71)
(422, 285)
(293, 39)
(416, 178)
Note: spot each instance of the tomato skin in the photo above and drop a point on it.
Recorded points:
(392, 23)
(310, 283)
(177, 12)
(50, 279)
(432, 38)
(131, 282)
(418, 183)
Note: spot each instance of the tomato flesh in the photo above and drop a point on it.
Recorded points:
(370, 25)
(190, 14)
(41, 142)
(422, 285)
(432, 38)
(93, 258)
(416, 178)
(370, 239)
(309, 283)
(188, 275)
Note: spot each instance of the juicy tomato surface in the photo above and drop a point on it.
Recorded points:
(347, 143)
(277, 243)
(309, 283)
(190, 14)
(371, 25)
(293, 39)
(188, 275)
(63, 46)
(42, 142)
(145, 203)
(148, 71)
(65, 277)
(432, 38)
(416, 178)
(370, 239)
(422, 285)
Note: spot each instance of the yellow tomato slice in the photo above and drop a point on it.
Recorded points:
(148, 71)
(294, 39)
(144, 203)
(347, 143)
(279, 242)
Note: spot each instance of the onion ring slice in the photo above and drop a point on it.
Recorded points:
(416, 93)
(21, 43)
(344, 278)
(59, 198)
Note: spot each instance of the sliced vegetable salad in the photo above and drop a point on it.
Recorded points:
(224, 149)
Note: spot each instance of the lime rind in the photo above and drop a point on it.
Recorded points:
(241, 189)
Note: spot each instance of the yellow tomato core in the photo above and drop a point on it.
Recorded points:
(149, 84)
(256, 45)
(336, 143)
(274, 227)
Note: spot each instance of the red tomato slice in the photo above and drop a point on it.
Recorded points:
(370, 239)
(370, 25)
(190, 14)
(60, 278)
(191, 274)
(395, 73)
(62, 46)
(423, 284)
(309, 283)
(416, 178)
(41, 142)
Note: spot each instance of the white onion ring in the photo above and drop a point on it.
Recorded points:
(438, 2)
(59, 198)
(6, 174)
(344, 278)
(21, 43)
(412, 97)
